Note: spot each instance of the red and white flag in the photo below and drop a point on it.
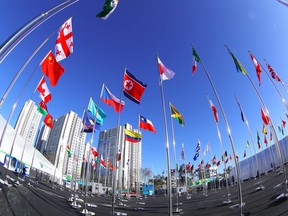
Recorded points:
(194, 67)
(146, 124)
(44, 91)
(215, 114)
(64, 42)
(165, 73)
(94, 152)
(265, 117)
(257, 67)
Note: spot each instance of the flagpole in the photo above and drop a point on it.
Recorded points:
(138, 169)
(115, 150)
(22, 154)
(74, 201)
(85, 210)
(15, 104)
(185, 175)
(12, 147)
(169, 188)
(282, 83)
(222, 149)
(241, 203)
(274, 135)
(32, 162)
(253, 144)
(280, 95)
(210, 151)
(25, 30)
(204, 174)
(10, 116)
(177, 210)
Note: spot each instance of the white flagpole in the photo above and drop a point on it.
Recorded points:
(21, 70)
(75, 172)
(251, 137)
(241, 204)
(26, 29)
(169, 188)
(274, 136)
(90, 144)
(282, 83)
(185, 174)
(175, 164)
(280, 95)
(10, 116)
(204, 174)
(116, 150)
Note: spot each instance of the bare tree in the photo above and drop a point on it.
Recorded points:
(146, 173)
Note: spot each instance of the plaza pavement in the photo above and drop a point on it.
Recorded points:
(46, 200)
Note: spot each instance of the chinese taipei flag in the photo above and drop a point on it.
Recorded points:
(133, 88)
(64, 42)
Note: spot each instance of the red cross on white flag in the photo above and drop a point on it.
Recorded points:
(64, 42)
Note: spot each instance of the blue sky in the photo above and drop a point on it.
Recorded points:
(131, 37)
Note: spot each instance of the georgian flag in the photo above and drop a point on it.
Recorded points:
(44, 91)
(64, 42)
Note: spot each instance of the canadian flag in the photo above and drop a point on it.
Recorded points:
(44, 91)
(64, 42)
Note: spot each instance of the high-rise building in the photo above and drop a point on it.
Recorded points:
(28, 122)
(131, 158)
(42, 138)
(66, 134)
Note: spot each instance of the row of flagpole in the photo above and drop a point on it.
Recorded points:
(241, 203)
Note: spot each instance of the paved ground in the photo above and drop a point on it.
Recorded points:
(44, 200)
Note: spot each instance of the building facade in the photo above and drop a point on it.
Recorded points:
(28, 122)
(66, 134)
(128, 172)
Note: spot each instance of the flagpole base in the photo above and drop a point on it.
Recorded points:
(278, 185)
(120, 213)
(86, 212)
(6, 183)
(91, 205)
(237, 205)
(259, 188)
(280, 173)
(17, 183)
(228, 201)
(177, 211)
(75, 205)
(282, 196)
